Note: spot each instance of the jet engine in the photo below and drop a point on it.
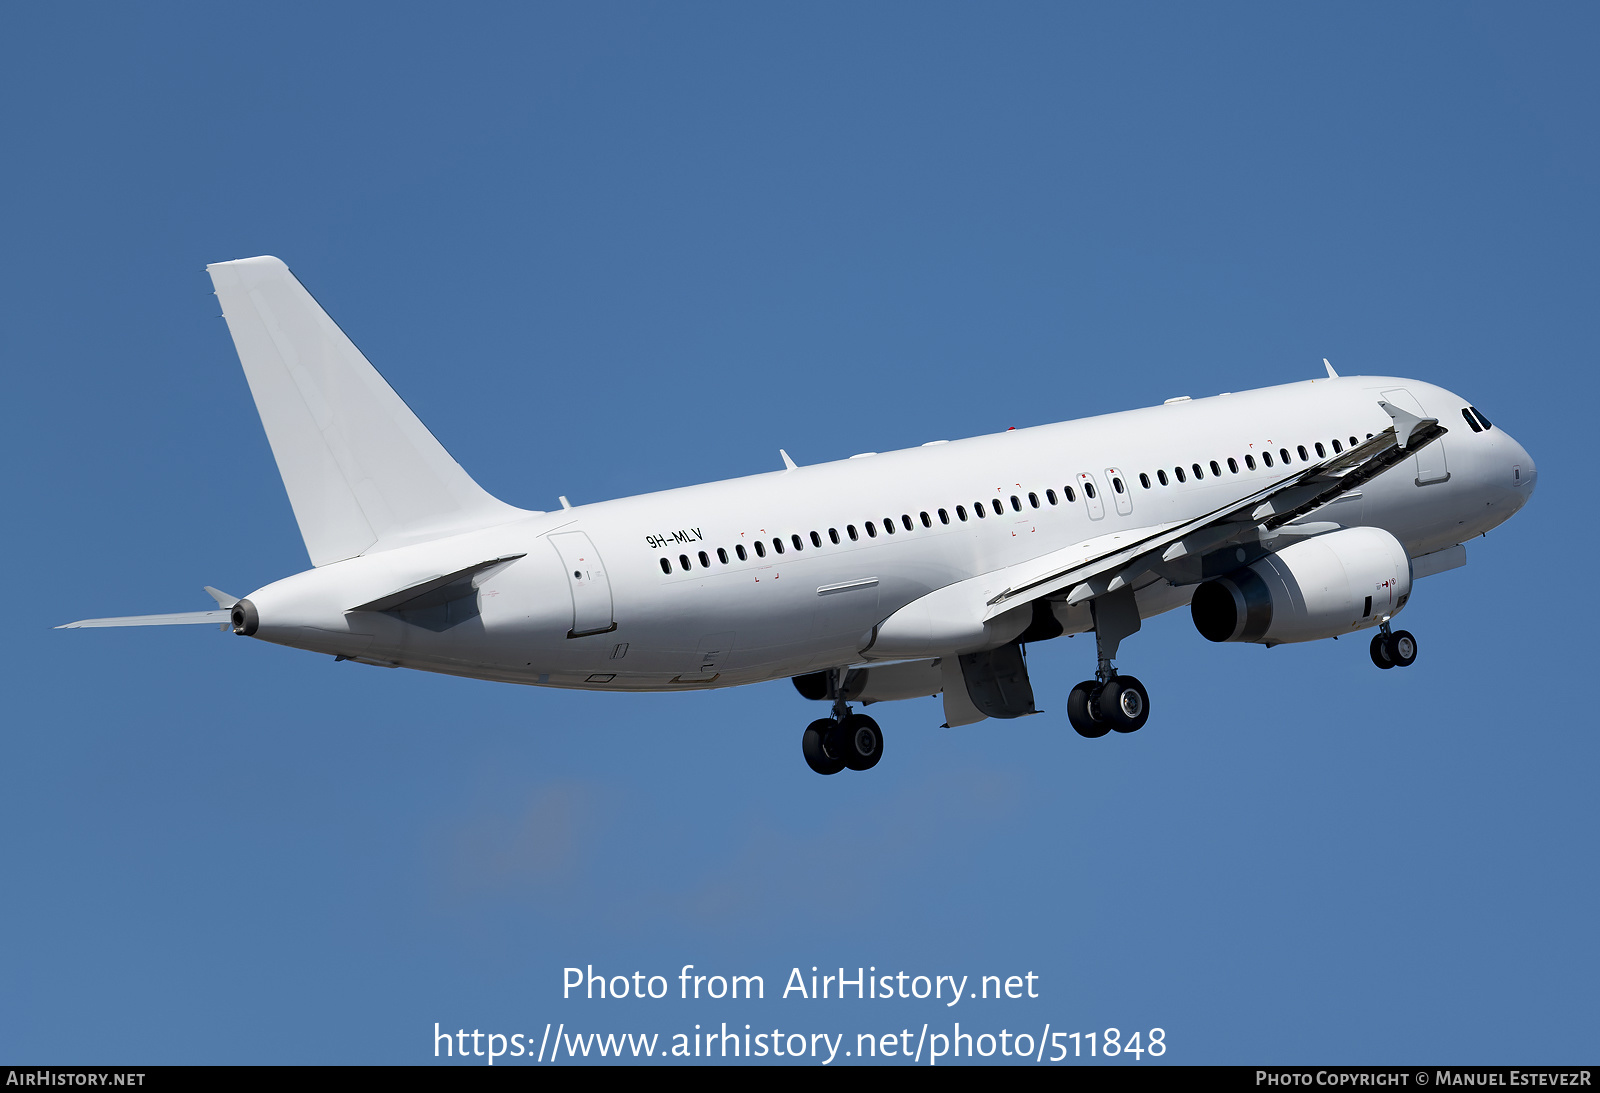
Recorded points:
(1322, 587)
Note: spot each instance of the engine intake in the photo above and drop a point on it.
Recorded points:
(1317, 588)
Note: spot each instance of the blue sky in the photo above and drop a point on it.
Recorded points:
(610, 249)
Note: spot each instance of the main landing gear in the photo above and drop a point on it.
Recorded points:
(1110, 702)
(1120, 703)
(846, 739)
(1393, 649)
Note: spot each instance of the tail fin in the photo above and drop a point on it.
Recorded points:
(361, 471)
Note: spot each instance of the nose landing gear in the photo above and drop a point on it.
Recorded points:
(846, 739)
(1393, 649)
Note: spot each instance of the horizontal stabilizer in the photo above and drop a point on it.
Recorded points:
(182, 618)
(362, 472)
(412, 595)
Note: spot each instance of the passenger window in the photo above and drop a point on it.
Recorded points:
(739, 550)
(1321, 452)
(888, 525)
(999, 507)
(705, 562)
(1179, 472)
(816, 540)
(799, 544)
(927, 523)
(666, 566)
(872, 530)
(683, 560)
(761, 551)
(1116, 483)
(850, 530)
(1472, 421)
(1050, 496)
(1354, 442)
(1266, 457)
(1250, 462)
(961, 513)
(722, 556)
(1337, 447)
(1088, 490)
(1071, 497)
(1233, 467)
(1033, 499)
(1016, 505)
(1161, 476)
(1198, 473)
(906, 521)
(1216, 471)
(833, 536)
(1479, 415)
(1304, 458)
(1283, 453)
(944, 517)
(980, 510)
(1144, 480)
(777, 545)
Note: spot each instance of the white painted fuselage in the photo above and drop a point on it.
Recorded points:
(669, 591)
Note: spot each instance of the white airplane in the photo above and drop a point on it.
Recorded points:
(1287, 514)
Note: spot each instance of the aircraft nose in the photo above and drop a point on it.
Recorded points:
(1524, 474)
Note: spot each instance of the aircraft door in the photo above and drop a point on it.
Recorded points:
(586, 577)
(1091, 496)
(1431, 464)
(1121, 495)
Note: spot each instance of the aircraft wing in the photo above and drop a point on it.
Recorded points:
(1111, 562)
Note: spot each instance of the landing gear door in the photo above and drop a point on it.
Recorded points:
(1431, 465)
(586, 577)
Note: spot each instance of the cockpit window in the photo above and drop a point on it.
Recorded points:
(1487, 424)
(1472, 421)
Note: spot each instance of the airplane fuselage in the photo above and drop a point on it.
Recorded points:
(786, 573)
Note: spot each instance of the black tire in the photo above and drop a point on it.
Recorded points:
(1123, 704)
(1080, 711)
(1403, 648)
(813, 744)
(1380, 650)
(859, 742)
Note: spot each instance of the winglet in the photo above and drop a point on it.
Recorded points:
(224, 600)
(788, 464)
(1331, 373)
(1405, 423)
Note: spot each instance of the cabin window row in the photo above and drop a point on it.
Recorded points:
(872, 529)
(1284, 455)
(981, 510)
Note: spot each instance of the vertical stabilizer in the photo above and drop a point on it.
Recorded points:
(361, 471)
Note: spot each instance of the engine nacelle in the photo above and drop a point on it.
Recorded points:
(1332, 584)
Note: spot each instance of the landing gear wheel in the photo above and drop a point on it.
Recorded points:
(858, 742)
(1123, 704)
(1381, 655)
(1081, 710)
(1402, 648)
(813, 745)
